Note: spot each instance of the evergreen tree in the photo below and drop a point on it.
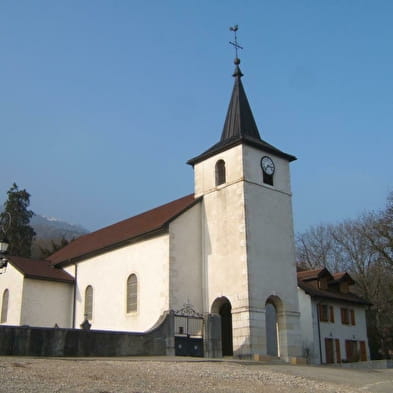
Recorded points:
(20, 234)
(54, 246)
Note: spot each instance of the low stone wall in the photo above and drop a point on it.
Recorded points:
(373, 364)
(34, 341)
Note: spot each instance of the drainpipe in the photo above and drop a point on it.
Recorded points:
(319, 333)
(74, 305)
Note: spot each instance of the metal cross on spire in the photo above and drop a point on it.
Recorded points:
(235, 44)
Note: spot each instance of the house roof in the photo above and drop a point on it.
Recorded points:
(122, 232)
(343, 276)
(316, 292)
(304, 279)
(239, 126)
(315, 274)
(39, 269)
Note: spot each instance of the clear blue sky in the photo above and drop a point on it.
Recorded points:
(103, 102)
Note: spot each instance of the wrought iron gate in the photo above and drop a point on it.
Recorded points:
(188, 332)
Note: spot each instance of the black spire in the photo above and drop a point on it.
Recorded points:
(239, 126)
(239, 121)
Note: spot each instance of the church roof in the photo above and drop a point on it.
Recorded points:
(239, 126)
(39, 269)
(123, 232)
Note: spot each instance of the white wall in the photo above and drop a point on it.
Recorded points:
(185, 260)
(309, 327)
(270, 238)
(223, 229)
(357, 332)
(271, 246)
(12, 280)
(46, 303)
(108, 273)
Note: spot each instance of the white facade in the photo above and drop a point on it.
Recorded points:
(46, 303)
(35, 302)
(107, 274)
(12, 280)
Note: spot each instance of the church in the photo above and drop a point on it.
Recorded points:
(226, 249)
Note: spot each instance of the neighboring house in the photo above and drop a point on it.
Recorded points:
(226, 249)
(333, 320)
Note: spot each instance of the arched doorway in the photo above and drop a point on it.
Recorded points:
(272, 307)
(223, 307)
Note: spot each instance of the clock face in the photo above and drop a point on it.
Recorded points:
(267, 165)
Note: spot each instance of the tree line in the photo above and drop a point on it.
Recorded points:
(364, 248)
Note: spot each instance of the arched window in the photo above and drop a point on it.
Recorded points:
(4, 306)
(89, 303)
(220, 172)
(132, 293)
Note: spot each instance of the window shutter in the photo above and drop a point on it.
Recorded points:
(363, 352)
(338, 351)
(353, 322)
(331, 312)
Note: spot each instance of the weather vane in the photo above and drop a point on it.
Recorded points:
(235, 44)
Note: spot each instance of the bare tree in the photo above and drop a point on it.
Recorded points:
(364, 248)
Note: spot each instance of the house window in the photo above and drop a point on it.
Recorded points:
(345, 316)
(132, 293)
(326, 313)
(323, 283)
(348, 317)
(4, 306)
(220, 172)
(89, 303)
(323, 313)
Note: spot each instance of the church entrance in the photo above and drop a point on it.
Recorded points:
(272, 327)
(223, 307)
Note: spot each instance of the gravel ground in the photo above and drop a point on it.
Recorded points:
(144, 376)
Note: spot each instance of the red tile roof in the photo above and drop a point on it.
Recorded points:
(321, 293)
(304, 279)
(308, 275)
(39, 269)
(343, 276)
(118, 234)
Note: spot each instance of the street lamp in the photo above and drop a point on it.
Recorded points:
(4, 225)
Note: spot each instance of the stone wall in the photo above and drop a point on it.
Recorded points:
(34, 341)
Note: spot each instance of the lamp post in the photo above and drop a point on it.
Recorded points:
(4, 225)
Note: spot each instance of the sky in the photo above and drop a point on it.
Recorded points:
(103, 102)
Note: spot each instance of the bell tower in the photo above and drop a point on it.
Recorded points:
(248, 255)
